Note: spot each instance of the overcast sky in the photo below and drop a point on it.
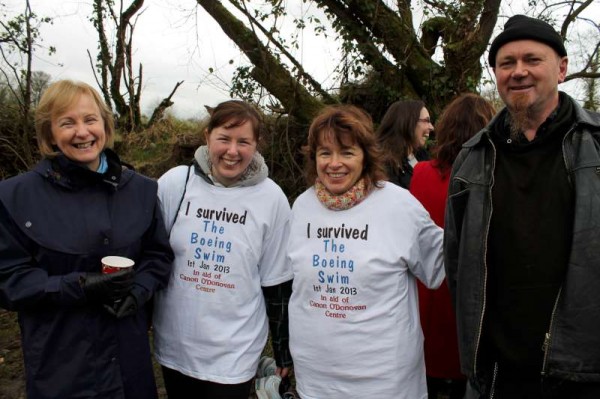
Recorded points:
(165, 43)
(174, 40)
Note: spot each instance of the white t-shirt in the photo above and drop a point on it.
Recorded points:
(354, 319)
(210, 323)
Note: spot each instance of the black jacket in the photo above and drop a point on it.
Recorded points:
(401, 176)
(56, 222)
(572, 344)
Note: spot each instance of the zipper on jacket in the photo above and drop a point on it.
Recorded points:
(485, 250)
(548, 336)
(493, 388)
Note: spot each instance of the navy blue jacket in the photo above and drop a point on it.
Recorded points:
(56, 223)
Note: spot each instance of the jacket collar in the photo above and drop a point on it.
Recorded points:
(582, 117)
(585, 117)
(63, 172)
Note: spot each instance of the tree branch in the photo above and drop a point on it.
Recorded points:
(301, 72)
(583, 74)
(268, 71)
(159, 111)
(104, 58)
(574, 12)
(105, 94)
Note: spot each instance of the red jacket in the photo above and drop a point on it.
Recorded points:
(435, 306)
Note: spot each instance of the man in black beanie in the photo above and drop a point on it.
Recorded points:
(522, 235)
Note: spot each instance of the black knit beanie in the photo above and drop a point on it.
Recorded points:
(522, 27)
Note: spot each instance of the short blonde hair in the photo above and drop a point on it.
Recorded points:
(57, 98)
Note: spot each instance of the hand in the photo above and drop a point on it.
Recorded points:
(106, 288)
(123, 308)
(282, 371)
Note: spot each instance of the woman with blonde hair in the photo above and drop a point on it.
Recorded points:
(84, 333)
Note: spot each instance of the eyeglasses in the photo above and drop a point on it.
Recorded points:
(425, 120)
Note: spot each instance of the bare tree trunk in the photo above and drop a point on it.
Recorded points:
(117, 68)
(162, 107)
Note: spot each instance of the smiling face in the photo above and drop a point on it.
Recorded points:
(79, 133)
(338, 166)
(230, 149)
(528, 72)
(423, 129)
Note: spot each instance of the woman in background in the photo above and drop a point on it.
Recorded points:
(402, 135)
(228, 226)
(460, 120)
(83, 333)
(357, 246)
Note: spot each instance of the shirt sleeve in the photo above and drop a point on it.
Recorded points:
(171, 188)
(276, 299)
(273, 268)
(452, 227)
(429, 267)
(155, 261)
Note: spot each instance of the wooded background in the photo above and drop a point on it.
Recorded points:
(389, 50)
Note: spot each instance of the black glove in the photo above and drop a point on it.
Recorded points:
(124, 308)
(106, 288)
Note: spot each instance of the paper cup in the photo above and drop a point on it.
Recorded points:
(112, 264)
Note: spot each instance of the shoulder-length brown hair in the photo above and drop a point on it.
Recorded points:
(349, 125)
(396, 133)
(57, 98)
(461, 119)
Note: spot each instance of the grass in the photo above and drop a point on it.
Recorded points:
(167, 144)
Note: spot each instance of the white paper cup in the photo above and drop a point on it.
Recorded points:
(112, 264)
